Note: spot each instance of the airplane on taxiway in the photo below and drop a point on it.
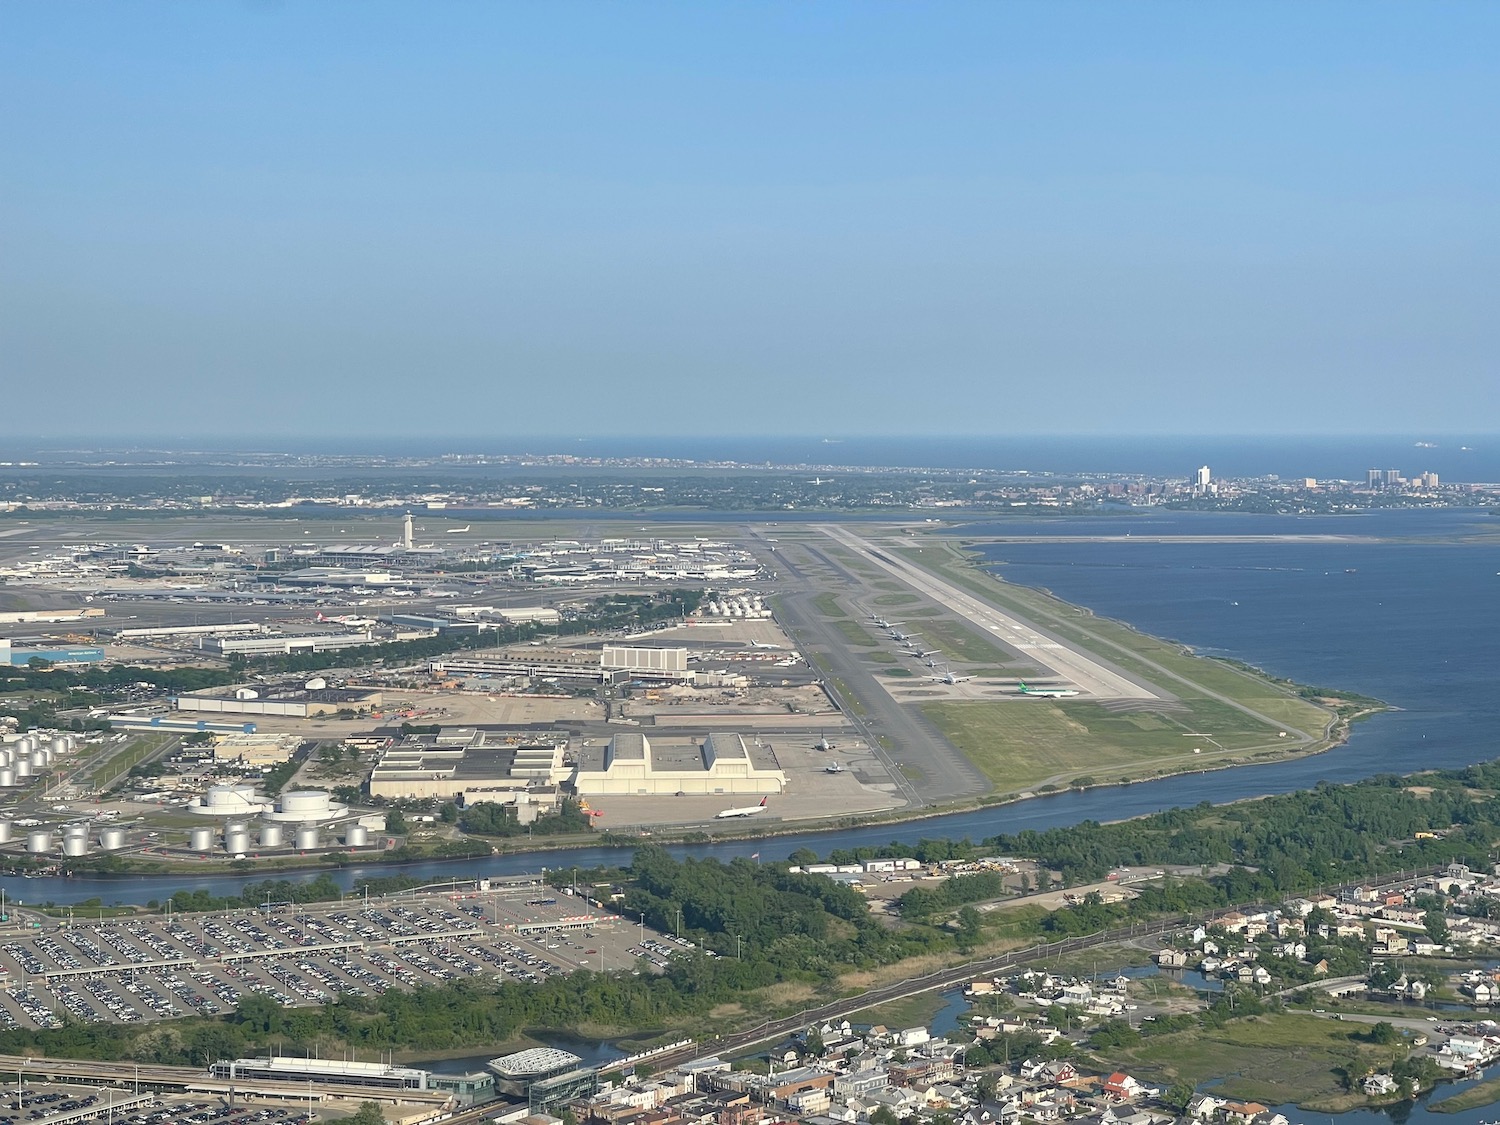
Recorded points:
(1044, 692)
(747, 810)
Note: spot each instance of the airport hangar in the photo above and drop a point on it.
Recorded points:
(526, 768)
(612, 664)
(464, 763)
(296, 700)
(628, 765)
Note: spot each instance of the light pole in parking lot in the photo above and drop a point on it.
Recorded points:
(19, 1070)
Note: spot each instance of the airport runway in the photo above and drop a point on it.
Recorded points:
(936, 771)
(1086, 674)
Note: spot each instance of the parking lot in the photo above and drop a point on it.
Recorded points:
(158, 967)
(47, 1103)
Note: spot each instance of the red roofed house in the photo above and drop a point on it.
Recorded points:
(1121, 1086)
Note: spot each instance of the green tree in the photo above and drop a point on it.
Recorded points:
(369, 1114)
(259, 1012)
(1179, 1095)
(1436, 925)
(395, 822)
(812, 1043)
(1385, 1034)
(968, 928)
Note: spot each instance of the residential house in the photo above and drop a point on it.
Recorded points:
(1121, 1086)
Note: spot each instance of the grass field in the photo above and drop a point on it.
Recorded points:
(854, 633)
(958, 642)
(912, 1011)
(138, 750)
(1476, 1096)
(1020, 746)
(1271, 1059)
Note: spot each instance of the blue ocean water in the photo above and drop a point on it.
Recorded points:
(1402, 612)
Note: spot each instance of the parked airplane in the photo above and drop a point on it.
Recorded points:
(458, 530)
(748, 810)
(1045, 692)
(835, 768)
(763, 644)
(823, 743)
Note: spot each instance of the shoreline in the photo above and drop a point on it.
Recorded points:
(1336, 732)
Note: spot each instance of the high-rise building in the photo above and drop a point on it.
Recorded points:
(1201, 479)
(1393, 478)
(1372, 478)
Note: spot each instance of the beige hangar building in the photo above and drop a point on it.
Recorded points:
(629, 765)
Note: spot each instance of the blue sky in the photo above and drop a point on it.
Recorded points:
(989, 218)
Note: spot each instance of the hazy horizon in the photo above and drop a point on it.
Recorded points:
(842, 219)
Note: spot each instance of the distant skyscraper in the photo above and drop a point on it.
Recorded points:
(1392, 478)
(1372, 478)
(1201, 479)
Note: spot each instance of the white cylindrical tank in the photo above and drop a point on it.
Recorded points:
(112, 839)
(201, 839)
(75, 830)
(27, 743)
(356, 836)
(38, 843)
(59, 746)
(6, 756)
(75, 845)
(309, 803)
(228, 799)
(307, 838)
(317, 683)
(41, 758)
(270, 835)
(237, 843)
(23, 768)
(5, 830)
(7, 777)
